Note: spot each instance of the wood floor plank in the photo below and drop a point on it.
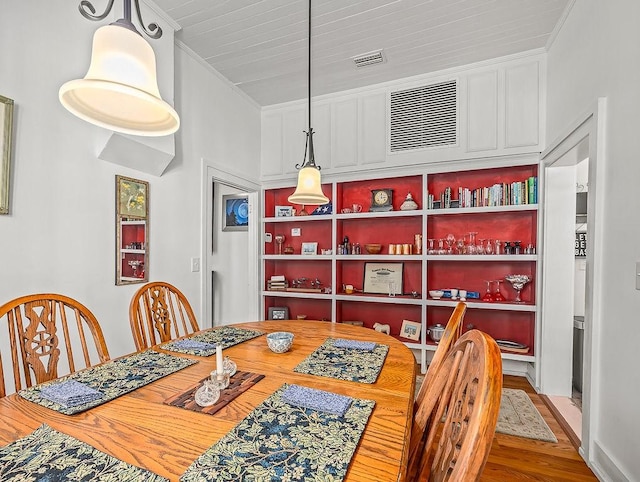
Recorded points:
(516, 459)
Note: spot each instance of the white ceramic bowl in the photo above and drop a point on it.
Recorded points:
(435, 294)
(280, 341)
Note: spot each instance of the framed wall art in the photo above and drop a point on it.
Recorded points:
(284, 211)
(6, 124)
(278, 313)
(309, 248)
(411, 330)
(235, 216)
(132, 197)
(132, 230)
(383, 278)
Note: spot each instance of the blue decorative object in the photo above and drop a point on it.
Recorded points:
(324, 209)
(236, 212)
(226, 336)
(70, 393)
(332, 361)
(49, 455)
(278, 441)
(316, 399)
(114, 379)
(354, 344)
(189, 344)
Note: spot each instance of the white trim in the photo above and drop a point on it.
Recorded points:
(209, 172)
(559, 24)
(182, 46)
(604, 468)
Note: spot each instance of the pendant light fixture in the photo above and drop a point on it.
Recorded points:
(309, 188)
(120, 91)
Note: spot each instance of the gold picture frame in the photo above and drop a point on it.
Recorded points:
(6, 121)
(132, 197)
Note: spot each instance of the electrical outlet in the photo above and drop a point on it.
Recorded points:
(195, 265)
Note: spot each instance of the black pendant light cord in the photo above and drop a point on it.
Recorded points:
(309, 161)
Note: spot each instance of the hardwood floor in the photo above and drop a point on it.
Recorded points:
(516, 458)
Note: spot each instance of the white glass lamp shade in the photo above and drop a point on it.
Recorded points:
(309, 188)
(120, 91)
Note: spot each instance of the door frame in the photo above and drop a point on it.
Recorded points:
(592, 126)
(213, 173)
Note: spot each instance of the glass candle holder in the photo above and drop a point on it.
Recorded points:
(207, 394)
(220, 380)
(229, 366)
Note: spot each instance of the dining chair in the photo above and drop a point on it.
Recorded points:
(48, 336)
(452, 332)
(158, 313)
(462, 408)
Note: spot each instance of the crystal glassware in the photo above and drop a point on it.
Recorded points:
(460, 246)
(220, 380)
(480, 246)
(518, 281)
(430, 247)
(207, 394)
(498, 245)
(497, 295)
(471, 247)
(487, 296)
(450, 239)
(488, 248)
(229, 366)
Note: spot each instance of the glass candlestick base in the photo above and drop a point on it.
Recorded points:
(229, 366)
(220, 380)
(207, 394)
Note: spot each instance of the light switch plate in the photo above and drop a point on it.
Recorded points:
(295, 231)
(195, 265)
(638, 275)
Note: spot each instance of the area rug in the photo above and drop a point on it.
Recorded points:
(518, 416)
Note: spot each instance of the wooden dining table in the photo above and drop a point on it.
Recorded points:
(140, 429)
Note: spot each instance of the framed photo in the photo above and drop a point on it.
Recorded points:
(284, 211)
(309, 248)
(132, 197)
(383, 278)
(235, 216)
(411, 330)
(278, 313)
(6, 124)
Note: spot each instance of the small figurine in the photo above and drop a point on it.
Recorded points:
(409, 204)
(379, 327)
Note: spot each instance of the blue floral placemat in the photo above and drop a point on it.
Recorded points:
(47, 455)
(112, 379)
(356, 365)
(279, 441)
(226, 336)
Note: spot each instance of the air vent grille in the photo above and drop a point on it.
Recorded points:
(424, 117)
(370, 58)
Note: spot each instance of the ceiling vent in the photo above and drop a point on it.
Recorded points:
(424, 117)
(370, 58)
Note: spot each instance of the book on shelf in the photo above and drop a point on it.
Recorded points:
(499, 194)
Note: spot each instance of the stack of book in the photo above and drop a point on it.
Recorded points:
(500, 194)
(277, 283)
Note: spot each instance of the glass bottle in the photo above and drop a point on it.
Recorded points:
(507, 247)
(517, 249)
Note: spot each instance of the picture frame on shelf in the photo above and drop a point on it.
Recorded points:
(309, 249)
(235, 212)
(278, 313)
(6, 121)
(383, 278)
(411, 330)
(284, 211)
(132, 198)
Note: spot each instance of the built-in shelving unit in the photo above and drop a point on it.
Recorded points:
(422, 270)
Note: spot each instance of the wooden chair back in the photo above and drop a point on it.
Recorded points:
(459, 413)
(47, 336)
(452, 332)
(158, 313)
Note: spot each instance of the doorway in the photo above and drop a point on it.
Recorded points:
(230, 268)
(585, 139)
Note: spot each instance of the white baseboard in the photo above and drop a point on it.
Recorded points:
(604, 468)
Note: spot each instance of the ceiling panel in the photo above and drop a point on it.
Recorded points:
(261, 45)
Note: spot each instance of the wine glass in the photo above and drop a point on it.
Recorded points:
(471, 247)
(441, 249)
(450, 239)
(280, 240)
(460, 246)
(488, 297)
(518, 281)
(488, 249)
(497, 296)
(431, 249)
(480, 246)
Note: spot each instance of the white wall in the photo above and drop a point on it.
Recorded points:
(60, 233)
(596, 55)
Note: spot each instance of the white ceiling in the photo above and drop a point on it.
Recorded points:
(261, 45)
